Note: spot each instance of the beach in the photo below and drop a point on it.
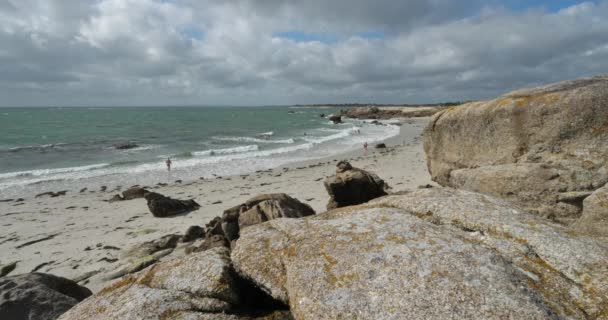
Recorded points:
(81, 232)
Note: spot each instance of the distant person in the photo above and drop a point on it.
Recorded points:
(168, 163)
(365, 147)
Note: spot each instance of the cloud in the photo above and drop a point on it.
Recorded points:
(148, 52)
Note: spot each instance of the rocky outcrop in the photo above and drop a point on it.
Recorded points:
(374, 112)
(433, 254)
(594, 220)
(222, 231)
(161, 206)
(335, 119)
(351, 186)
(38, 296)
(533, 147)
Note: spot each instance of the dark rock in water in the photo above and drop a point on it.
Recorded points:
(322, 115)
(193, 233)
(335, 119)
(125, 146)
(351, 186)
(38, 296)
(134, 193)
(380, 146)
(161, 206)
(83, 190)
(103, 188)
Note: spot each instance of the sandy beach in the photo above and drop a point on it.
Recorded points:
(81, 232)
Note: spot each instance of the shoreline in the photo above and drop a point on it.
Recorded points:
(81, 232)
(149, 174)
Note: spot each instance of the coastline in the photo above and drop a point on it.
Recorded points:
(81, 232)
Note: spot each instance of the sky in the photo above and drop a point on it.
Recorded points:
(272, 52)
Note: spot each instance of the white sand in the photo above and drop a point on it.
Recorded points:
(81, 224)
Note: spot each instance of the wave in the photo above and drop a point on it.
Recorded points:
(44, 172)
(36, 147)
(140, 148)
(254, 140)
(240, 149)
(339, 135)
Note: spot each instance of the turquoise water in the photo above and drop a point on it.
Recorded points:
(45, 148)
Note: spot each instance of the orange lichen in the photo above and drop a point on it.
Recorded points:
(126, 281)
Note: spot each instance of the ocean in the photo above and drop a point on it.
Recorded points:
(44, 149)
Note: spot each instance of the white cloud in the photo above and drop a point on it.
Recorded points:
(134, 52)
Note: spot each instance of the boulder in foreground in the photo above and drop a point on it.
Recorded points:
(38, 296)
(433, 254)
(351, 186)
(534, 147)
(197, 286)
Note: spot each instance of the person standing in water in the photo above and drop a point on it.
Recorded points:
(168, 163)
(365, 147)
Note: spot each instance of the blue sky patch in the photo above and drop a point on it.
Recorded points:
(328, 38)
(300, 36)
(193, 32)
(549, 5)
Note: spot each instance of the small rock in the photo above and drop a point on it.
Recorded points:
(6, 269)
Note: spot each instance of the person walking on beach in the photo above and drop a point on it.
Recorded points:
(168, 163)
(365, 147)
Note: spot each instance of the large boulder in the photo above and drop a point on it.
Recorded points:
(38, 296)
(224, 231)
(533, 147)
(271, 206)
(266, 207)
(351, 186)
(433, 254)
(198, 286)
(161, 206)
(201, 282)
(594, 220)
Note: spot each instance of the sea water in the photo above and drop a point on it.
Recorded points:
(68, 148)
